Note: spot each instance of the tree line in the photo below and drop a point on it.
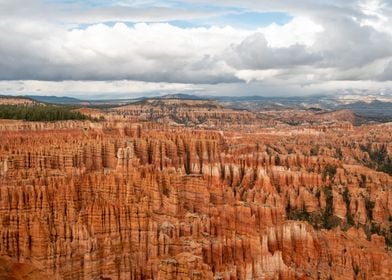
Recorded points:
(40, 113)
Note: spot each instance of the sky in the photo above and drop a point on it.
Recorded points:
(123, 49)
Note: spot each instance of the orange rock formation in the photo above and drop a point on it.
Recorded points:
(139, 200)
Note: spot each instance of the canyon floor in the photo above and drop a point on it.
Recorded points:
(187, 189)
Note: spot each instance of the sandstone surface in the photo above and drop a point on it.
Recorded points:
(135, 199)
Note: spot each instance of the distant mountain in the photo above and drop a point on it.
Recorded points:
(58, 100)
(182, 96)
(378, 108)
(374, 109)
(65, 100)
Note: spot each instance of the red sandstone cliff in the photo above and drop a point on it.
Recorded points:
(126, 200)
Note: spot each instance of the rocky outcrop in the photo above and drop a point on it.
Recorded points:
(10, 269)
(120, 200)
(11, 100)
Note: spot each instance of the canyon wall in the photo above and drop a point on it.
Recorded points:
(139, 200)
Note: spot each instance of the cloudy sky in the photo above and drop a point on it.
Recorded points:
(102, 48)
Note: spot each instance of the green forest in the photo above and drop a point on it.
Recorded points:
(40, 113)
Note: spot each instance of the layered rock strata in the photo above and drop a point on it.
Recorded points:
(120, 200)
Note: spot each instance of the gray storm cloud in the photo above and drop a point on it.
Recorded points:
(45, 42)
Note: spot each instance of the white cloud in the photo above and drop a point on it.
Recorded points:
(82, 12)
(257, 75)
(301, 31)
(326, 42)
(379, 15)
(157, 52)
